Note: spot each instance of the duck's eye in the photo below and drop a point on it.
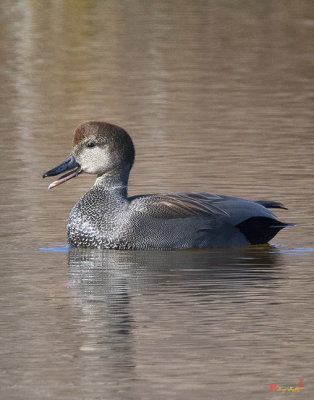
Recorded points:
(91, 144)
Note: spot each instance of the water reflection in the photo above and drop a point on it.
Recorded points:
(99, 272)
(106, 283)
(140, 306)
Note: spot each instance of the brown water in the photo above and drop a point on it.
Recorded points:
(218, 97)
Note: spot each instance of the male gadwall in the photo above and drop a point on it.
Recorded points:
(106, 218)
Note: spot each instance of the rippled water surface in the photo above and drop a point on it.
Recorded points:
(218, 97)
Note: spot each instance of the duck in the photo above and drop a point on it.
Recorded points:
(107, 218)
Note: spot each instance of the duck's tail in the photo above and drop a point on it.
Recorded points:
(259, 230)
(271, 204)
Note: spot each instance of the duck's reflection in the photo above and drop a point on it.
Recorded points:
(116, 274)
(129, 300)
(106, 283)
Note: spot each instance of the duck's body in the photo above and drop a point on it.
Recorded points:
(105, 217)
(108, 219)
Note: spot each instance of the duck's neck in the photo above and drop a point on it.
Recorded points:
(115, 180)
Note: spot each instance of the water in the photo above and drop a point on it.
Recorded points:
(218, 97)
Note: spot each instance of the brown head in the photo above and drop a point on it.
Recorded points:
(98, 148)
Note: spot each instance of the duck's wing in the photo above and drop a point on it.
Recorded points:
(225, 220)
(179, 205)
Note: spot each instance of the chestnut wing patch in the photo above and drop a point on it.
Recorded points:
(180, 205)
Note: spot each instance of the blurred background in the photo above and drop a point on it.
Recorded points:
(218, 97)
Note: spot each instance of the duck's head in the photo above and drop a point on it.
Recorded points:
(99, 148)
